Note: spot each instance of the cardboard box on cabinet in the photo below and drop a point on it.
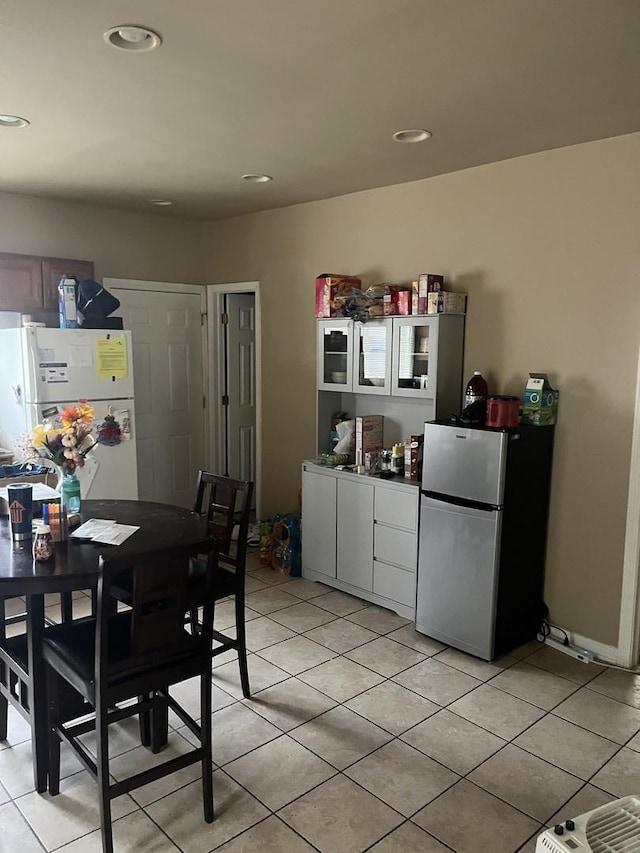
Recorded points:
(413, 457)
(331, 287)
(446, 303)
(369, 436)
(427, 283)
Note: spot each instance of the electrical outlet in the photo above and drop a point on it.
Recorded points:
(583, 655)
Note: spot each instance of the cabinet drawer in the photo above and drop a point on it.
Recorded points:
(394, 583)
(395, 507)
(396, 546)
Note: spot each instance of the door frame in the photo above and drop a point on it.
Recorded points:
(180, 287)
(215, 298)
(629, 631)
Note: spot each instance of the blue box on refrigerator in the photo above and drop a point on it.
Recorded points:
(67, 289)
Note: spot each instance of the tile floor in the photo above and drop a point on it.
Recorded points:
(361, 735)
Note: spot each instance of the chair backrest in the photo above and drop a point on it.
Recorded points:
(161, 597)
(224, 501)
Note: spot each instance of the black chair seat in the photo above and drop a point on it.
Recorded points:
(70, 649)
(225, 582)
(16, 648)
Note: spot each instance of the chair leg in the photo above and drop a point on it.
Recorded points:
(66, 606)
(242, 647)
(54, 740)
(144, 719)
(193, 619)
(159, 723)
(102, 746)
(205, 740)
(4, 715)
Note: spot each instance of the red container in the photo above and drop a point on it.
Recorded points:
(503, 412)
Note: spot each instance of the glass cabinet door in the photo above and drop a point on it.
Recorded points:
(335, 355)
(414, 356)
(372, 357)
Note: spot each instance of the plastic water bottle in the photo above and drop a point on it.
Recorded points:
(477, 389)
(70, 493)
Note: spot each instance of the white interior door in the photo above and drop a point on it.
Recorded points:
(169, 390)
(241, 386)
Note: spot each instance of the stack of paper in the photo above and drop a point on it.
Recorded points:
(103, 530)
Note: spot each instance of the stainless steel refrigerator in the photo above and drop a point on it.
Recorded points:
(483, 524)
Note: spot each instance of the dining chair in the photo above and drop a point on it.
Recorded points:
(14, 667)
(134, 655)
(6, 686)
(226, 503)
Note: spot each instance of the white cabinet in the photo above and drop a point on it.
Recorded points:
(416, 356)
(355, 357)
(354, 541)
(360, 535)
(319, 523)
(395, 549)
(335, 355)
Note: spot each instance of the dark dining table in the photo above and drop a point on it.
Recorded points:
(74, 566)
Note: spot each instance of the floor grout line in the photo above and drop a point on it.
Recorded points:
(237, 700)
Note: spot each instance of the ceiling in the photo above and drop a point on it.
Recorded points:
(308, 92)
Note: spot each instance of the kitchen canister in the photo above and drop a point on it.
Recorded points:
(503, 412)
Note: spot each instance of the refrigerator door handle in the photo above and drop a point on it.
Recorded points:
(460, 502)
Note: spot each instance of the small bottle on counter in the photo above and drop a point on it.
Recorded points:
(477, 389)
(385, 460)
(397, 459)
(42, 543)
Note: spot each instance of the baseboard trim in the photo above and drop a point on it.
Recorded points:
(604, 653)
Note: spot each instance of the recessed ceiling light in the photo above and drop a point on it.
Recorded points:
(412, 135)
(132, 37)
(12, 121)
(257, 179)
(161, 202)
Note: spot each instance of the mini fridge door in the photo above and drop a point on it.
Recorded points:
(464, 462)
(458, 562)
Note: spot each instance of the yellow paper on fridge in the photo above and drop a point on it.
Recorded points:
(111, 357)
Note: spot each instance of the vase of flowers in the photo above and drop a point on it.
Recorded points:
(66, 447)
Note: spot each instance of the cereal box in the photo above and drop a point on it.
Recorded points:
(331, 286)
(369, 435)
(446, 303)
(427, 283)
(397, 301)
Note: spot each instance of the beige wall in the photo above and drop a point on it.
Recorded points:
(548, 248)
(122, 245)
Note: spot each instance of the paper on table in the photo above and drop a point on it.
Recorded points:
(105, 531)
(116, 534)
(91, 528)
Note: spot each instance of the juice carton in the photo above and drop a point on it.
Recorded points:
(540, 401)
(67, 304)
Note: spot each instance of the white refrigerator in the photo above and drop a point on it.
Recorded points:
(46, 370)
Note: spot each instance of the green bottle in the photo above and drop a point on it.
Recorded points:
(70, 493)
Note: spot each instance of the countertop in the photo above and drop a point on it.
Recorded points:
(396, 481)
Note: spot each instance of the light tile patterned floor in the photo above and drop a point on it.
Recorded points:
(360, 735)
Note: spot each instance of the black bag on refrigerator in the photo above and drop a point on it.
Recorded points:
(95, 303)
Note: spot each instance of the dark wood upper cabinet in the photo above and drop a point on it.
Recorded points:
(53, 269)
(30, 283)
(20, 282)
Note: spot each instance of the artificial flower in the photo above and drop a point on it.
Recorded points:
(66, 446)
